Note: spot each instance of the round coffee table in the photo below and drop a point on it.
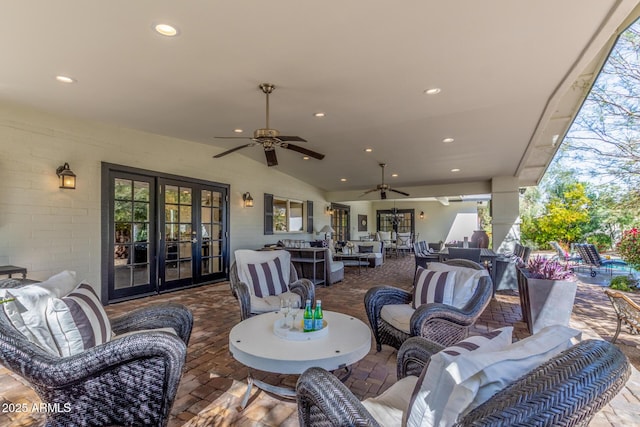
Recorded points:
(253, 343)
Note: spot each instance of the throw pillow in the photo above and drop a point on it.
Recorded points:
(267, 278)
(477, 377)
(433, 286)
(466, 281)
(78, 321)
(366, 249)
(27, 311)
(432, 389)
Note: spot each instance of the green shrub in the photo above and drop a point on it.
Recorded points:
(601, 241)
(629, 247)
(623, 283)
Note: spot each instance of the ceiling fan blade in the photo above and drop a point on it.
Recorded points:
(233, 137)
(305, 151)
(217, 156)
(291, 138)
(272, 159)
(399, 192)
(370, 191)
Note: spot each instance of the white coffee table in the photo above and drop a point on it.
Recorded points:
(253, 343)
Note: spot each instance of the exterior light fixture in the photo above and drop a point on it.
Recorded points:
(421, 214)
(66, 176)
(328, 210)
(248, 200)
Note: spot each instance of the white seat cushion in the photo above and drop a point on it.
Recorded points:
(433, 388)
(398, 316)
(78, 321)
(389, 408)
(272, 302)
(465, 284)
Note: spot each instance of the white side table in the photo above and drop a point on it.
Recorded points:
(253, 343)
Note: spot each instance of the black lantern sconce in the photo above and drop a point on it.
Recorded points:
(248, 200)
(328, 210)
(66, 176)
(421, 214)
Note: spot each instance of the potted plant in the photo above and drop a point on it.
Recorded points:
(547, 292)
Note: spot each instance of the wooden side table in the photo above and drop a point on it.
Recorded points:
(12, 269)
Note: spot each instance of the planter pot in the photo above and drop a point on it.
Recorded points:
(481, 238)
(545, 302)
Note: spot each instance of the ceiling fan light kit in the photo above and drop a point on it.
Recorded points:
(270, 138)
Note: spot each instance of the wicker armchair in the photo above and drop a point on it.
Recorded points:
(129, 381)
(302, 287)
(443, 324)
(627, 312)
(567, 390)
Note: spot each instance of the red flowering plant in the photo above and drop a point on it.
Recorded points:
(549, 269)
(629, 247)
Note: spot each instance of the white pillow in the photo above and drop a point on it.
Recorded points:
(433, 388)
(78, 321)
(27, 312)
(477, 377)
(466, 281)
(433, 286)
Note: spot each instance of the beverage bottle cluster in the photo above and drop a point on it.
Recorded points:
(312, 318)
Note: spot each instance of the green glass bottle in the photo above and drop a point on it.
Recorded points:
(317, 316)
(308, 318)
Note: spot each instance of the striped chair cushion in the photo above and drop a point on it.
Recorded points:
(434, 387)
(78, 321)
(267, 278)
(433, 286)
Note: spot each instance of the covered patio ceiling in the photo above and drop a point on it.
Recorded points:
(511, 77)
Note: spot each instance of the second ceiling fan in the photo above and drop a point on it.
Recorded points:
(383, 188)
(270, 138)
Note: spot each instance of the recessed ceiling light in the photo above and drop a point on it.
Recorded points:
(368, 150)
(318, 114)
(65, 79)
(305, 158)
(455, 170)
(394, 175)
(166, 30)
(238, 130)
(448, 140)
(432, 91)
(343, 179)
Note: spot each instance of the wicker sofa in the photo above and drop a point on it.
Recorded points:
(568, 389)
(129, 380)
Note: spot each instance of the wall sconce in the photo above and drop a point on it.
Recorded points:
(421, 214)
(328, 210)
(66, 176)
(248, 200)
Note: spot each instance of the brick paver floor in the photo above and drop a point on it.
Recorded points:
(212, 375)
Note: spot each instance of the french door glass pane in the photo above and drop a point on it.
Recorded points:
(131, 225)
(211, 229)
(178, 232)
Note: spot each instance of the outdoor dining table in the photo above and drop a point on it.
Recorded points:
(487, 257)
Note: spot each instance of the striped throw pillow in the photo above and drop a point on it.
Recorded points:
(431, 395)
(267, 278)
(433, 286)
(78, 321)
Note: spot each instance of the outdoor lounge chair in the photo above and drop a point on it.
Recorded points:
(591, 258)
(262, 297)
(130, 380)
(627, 312)
(562, 255)
(569, 389)
(440, 323)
